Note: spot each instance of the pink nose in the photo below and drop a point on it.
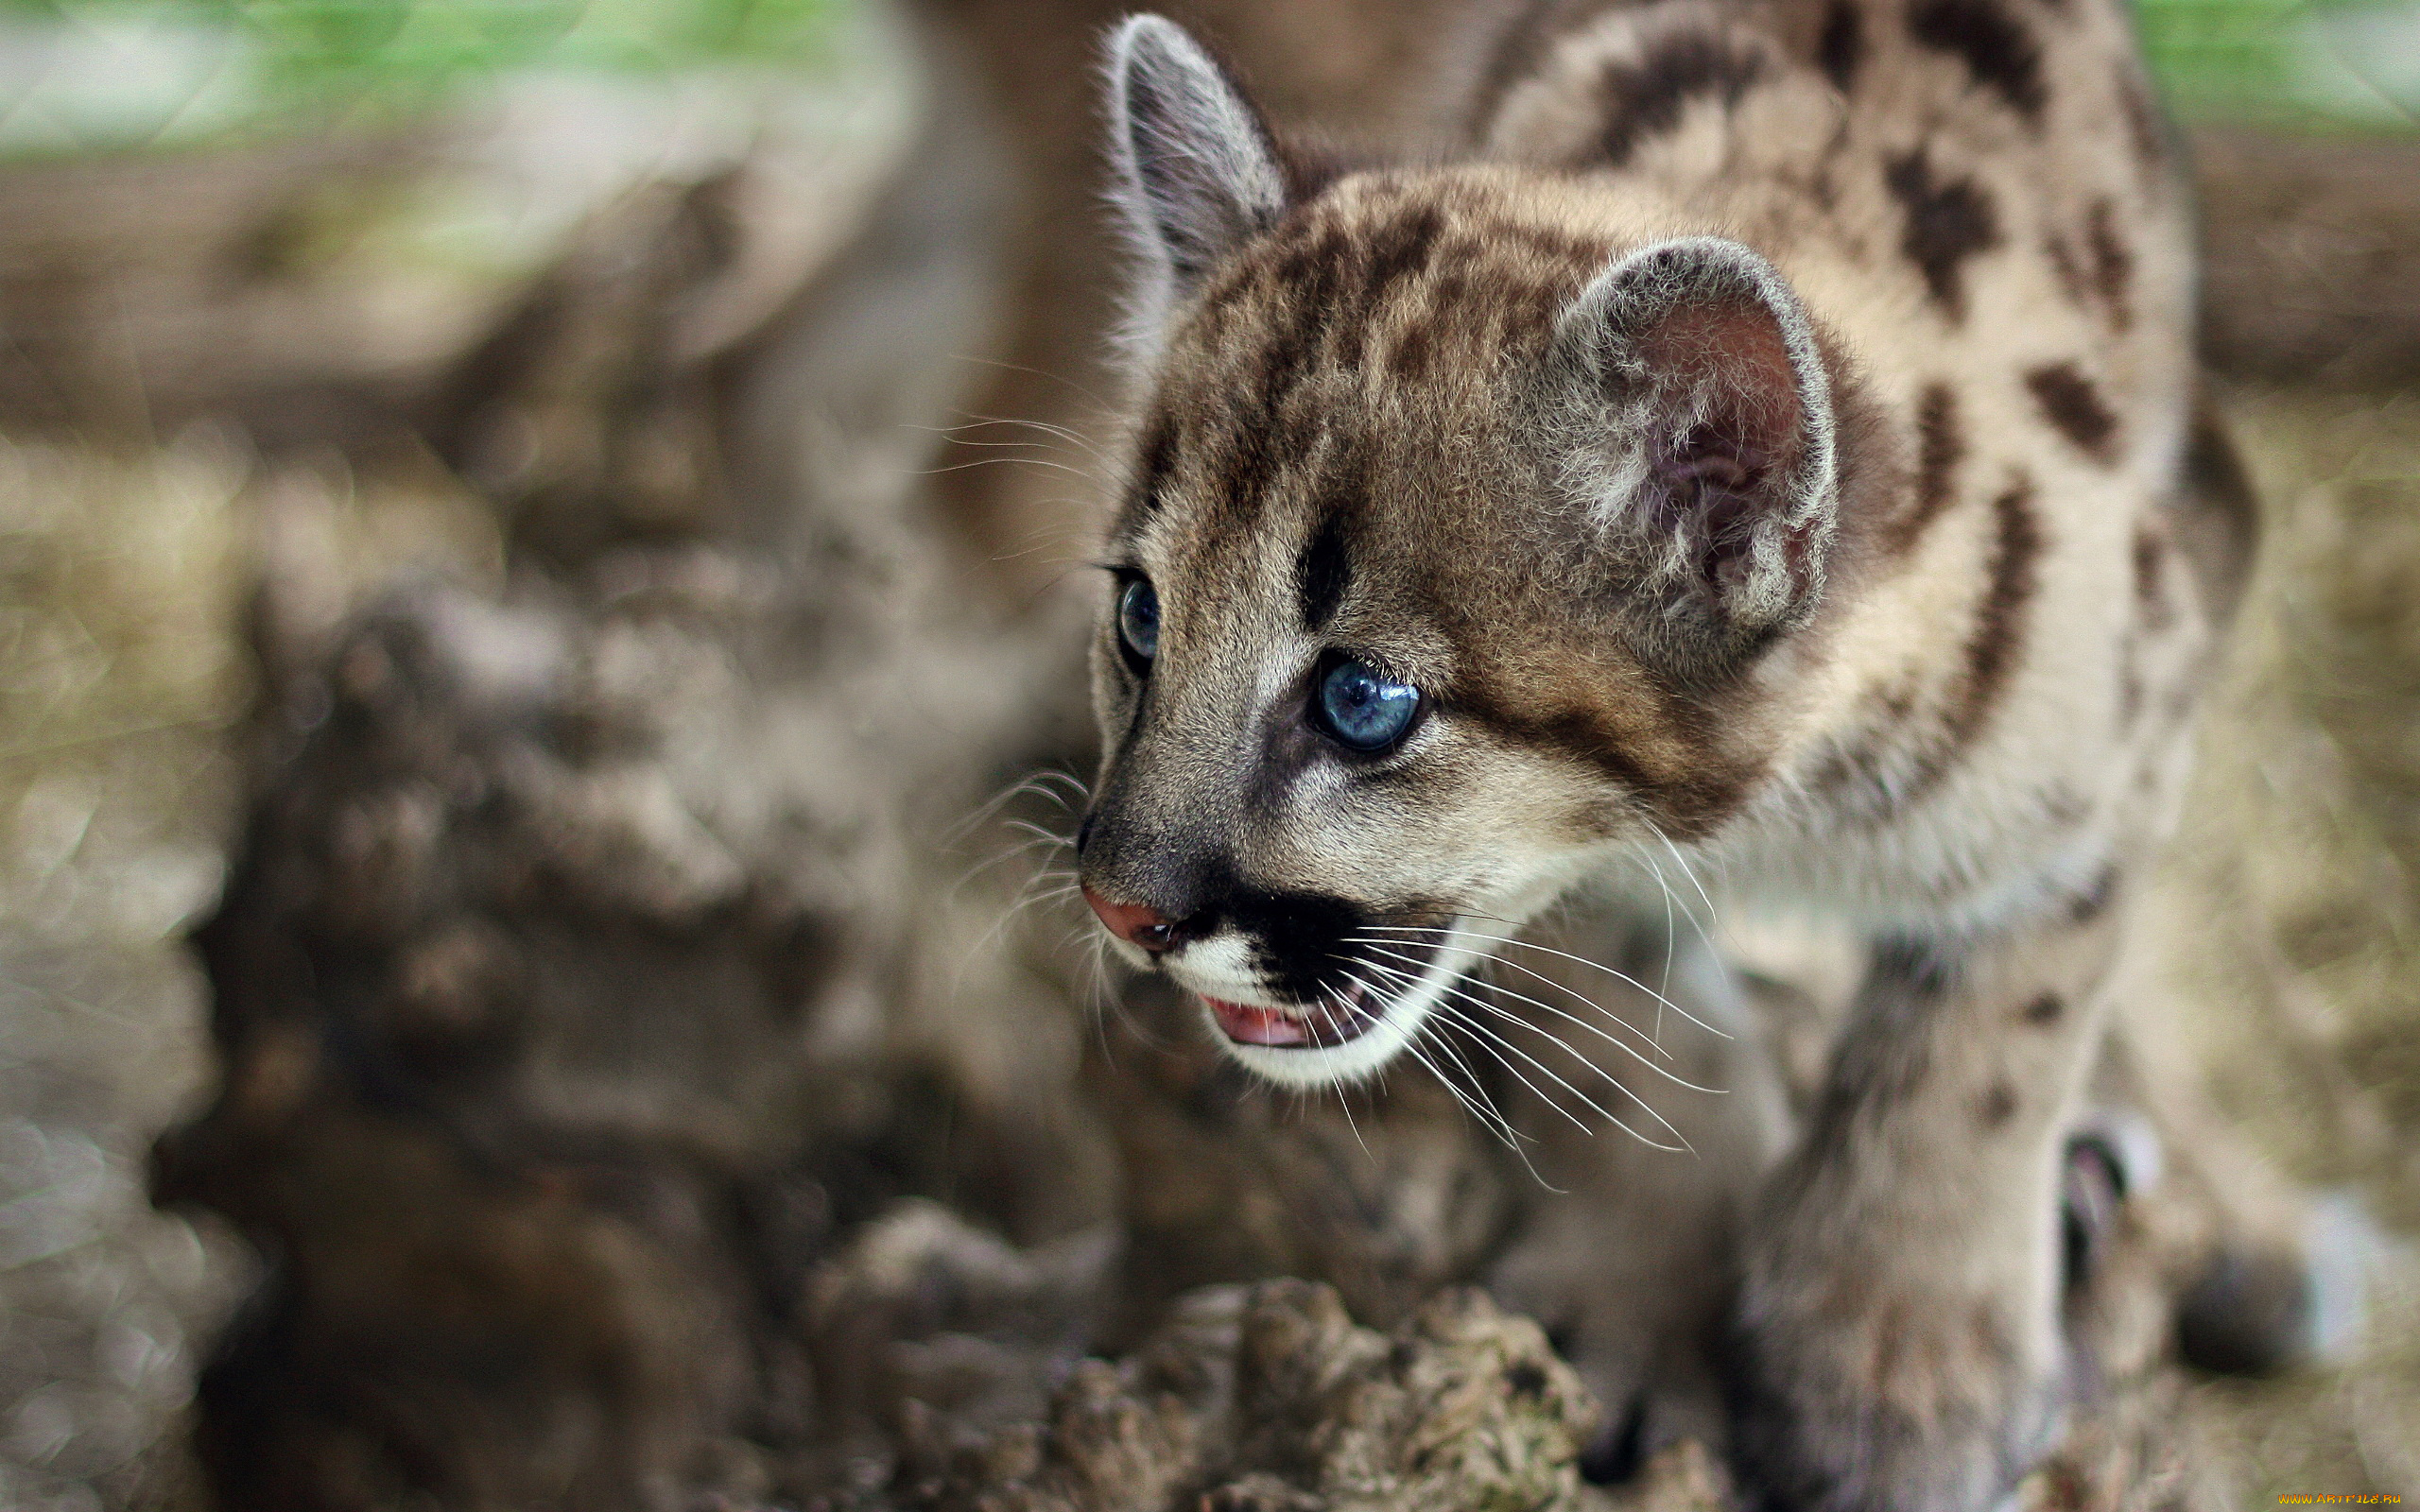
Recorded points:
(1135, 923)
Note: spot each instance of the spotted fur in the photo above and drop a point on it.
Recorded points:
(1761, 447)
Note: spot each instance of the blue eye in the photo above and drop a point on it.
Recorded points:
(1363, 710)
(1138, 622)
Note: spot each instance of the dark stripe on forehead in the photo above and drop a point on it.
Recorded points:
(1323, 572)
(1398, 250)
(1153, 460)
(1301, 300)
(1380, 272)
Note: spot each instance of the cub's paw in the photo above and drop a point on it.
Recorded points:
(2258, 1309)
(1645, 1364)
(1891, 1403)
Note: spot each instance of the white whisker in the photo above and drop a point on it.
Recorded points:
(1556, 1040)
(1102, 405)
(1567, 990)
(995, 461)
(1033, 784)
(1474, 1102)
(1383, 948)
(1337, 1083)
(1713, 915)
(1577, 960)
(1029, 827)
(1549, 1073)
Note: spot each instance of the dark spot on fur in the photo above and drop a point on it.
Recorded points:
(1647, 98)
(2064, 808)
(2094, 900)
(1517, 52)
(2248, 1313)
(1990, 1339)
(1997, 1106)
(2070, 402)
(1992, 651)
(1841, 46)
(1941, 445)
(2044, 1010)
(2145, 124)
(1311, 268)
(1860, 763)
(2113, 263)
(1410, 362)
(1917, 965)
(1321, 572)
(1998, 50)
(1947, 223)
(2217, 517)
(2150, 590)
(1997, 638)
(2068, 270)
(1572, 733)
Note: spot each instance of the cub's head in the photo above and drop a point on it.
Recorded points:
(1465, 522)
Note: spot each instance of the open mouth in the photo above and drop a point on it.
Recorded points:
(1339, 1020)
(1343, 1014)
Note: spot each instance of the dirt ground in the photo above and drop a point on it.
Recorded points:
(2292, 930)
(124, 681)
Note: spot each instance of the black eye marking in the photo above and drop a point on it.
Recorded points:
(1361, 707)
(1138, 624)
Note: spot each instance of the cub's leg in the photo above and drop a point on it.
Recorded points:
(1897, 1341)
(1625, 1246)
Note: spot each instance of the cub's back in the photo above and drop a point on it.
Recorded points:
(1978, 201)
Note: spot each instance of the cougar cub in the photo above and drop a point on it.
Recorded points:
(1763, 451)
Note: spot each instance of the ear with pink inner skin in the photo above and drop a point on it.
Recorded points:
(1702, 443)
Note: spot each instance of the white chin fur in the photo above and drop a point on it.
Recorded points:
(1367, 1053)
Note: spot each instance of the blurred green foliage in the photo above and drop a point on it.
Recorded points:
(2215, 56)
(364, 52)
(2225, 56)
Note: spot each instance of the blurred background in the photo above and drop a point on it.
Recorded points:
(542, 517)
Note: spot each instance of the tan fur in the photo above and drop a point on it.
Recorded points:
(1763, 448)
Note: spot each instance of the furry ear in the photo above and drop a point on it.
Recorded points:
(1706, 444)
(1197, 172)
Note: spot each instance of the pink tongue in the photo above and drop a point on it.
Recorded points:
(1248, 1026)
